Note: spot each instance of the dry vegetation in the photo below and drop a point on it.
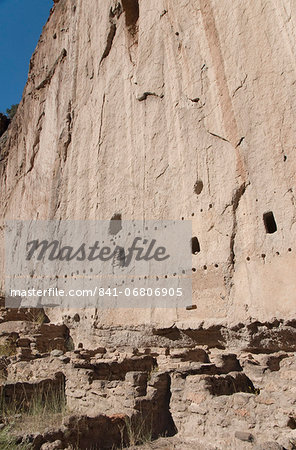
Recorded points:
(45, 408)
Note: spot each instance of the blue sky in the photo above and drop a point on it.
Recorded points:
(21, 23)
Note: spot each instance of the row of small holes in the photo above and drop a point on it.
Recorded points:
(264, 256)
(248, 259)
(205, 267)
(192, 214)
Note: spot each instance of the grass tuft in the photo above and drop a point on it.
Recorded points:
(139, 431)
(44, 408)
(8, 348)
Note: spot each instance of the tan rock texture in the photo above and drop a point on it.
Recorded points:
(168, 109)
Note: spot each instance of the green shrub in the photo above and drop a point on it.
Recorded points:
(10, 112)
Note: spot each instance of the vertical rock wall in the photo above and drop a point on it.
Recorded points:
(168, 109)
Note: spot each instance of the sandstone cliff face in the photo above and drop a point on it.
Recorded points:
(168, 109)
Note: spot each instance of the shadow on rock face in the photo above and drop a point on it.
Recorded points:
(4, 122)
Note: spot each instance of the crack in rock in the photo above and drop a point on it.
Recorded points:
(51, 73)
(240, 141)
(235, 204)
(240, 86)
(114, 14)
(147, 94)
(217, 136)
(110, 39)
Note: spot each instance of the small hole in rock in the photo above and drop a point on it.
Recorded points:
(76, 318)
(193, 269)
(292, 423)
(195, 245)
(198, 187)
(191, 307)
(269, 222)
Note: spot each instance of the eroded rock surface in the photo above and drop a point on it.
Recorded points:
(152, 109)
(168, 110)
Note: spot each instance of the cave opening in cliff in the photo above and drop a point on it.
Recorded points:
(269, 222)
(131, 9)
(198, 187)
(115, 224)
(195, 245)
